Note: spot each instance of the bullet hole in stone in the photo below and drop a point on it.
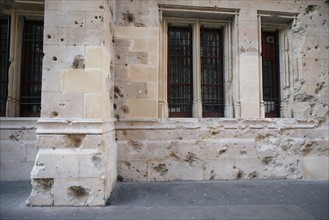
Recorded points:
(97, 160)
(316, 47)
(115, 106)
(239, 175)
(101, 6)
(161, 169)
(74, 45)
(126, 64)
(137, 146)
(117, 92)
(243, 152)
(75, 22)
(77, 191)
(74, 140)
(190, 158)
(221, 152)
(214, 132)
(212, 177)
(319, 87)
(267, 159)
(119, 178)
(137, 170)
(48, 36)
(128, 164)
(125, 109)
(62, 39)
(117, 116)
(45, 183)
(81, 25)
(54, 58)
(78, 62)
(253, 174)
(118, 57)
(54, 114)
(128, 17)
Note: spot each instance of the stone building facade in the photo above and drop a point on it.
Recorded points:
(161, 90)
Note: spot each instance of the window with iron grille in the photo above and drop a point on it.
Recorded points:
(212, 91)
(4, 63)
(32, 56)
(180, 71)
(270, 69)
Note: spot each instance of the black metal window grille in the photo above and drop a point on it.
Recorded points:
(212, 88)
(4, 63)
(180, 68)
(270, 62)
(31, 68)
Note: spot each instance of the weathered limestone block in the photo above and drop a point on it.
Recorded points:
(92, 105)
(131, 32)
(134, 170)
(143, 108)
(79, 192)
(316, 167)
(172, 169)
(94, 57)
(77, 80)
(63, 105)
(42, 192)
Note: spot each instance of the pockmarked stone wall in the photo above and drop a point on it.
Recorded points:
(242, 145)
(104, 100)
(222, 149)
(17, 148)
(76, 161)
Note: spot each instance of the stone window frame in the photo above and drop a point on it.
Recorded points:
(15, 57)
(196, 17)
(281, 22)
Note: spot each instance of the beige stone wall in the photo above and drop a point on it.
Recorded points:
(17, 148)
(222, 149)
(76, 161)
(303, 54)
(104, 85)
(294, 146)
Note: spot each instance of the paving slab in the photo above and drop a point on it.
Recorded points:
(252, 199)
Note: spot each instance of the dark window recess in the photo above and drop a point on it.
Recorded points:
(32, 68)
(212, 88)
(4, 63)
(271, 86)
(180, 90)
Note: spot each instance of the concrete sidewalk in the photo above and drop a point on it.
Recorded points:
(254, 199)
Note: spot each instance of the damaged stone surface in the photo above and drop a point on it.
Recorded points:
(105, 106)
(222, 149)
(75, 133)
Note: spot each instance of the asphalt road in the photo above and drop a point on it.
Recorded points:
(253, 199)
